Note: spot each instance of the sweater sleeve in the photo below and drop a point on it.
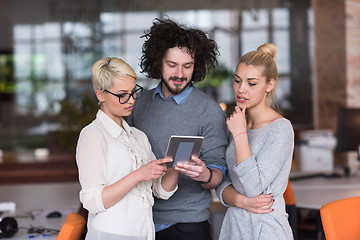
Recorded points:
(215, 135)
(219, 190)
(257, 174)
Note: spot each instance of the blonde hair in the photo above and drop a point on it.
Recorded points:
(105, 70)
(265, 57)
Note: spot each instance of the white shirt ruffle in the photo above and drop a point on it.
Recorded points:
(105, 154)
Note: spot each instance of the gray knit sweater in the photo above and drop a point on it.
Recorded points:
(266, 171)
(199, 115)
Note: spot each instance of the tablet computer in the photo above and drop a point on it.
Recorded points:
(181, 148)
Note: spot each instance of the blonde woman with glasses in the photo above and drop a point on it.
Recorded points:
(118, 171)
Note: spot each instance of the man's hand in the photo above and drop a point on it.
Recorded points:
(196, 169)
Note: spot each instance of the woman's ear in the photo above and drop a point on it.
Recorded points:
(270, 85)
(99, 95)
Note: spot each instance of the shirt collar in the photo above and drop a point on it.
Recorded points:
(112, 127)
(179, 98)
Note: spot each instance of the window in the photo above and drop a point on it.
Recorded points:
(51, 61)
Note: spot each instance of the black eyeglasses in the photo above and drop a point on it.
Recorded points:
(125, 97)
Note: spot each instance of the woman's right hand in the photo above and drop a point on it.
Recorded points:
(154, 169)
(260, 204)
(237, 121)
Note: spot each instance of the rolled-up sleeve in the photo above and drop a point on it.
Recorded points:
(90, 158)
(159, 192)
(215, 139)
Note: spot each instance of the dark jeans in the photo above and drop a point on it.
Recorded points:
(185, 231)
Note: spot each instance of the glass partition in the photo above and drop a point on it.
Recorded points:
(46, 95)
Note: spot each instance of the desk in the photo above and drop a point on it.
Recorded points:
(312, 193)
(41, 198)
(48, 227)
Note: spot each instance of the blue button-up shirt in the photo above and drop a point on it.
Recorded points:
(179, 98)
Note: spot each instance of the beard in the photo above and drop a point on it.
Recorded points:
(177, 89)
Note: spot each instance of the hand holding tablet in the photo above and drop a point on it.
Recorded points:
(181, 148)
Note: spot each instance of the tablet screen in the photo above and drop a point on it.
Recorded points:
(181, 148)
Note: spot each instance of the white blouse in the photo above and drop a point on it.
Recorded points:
(106, 153)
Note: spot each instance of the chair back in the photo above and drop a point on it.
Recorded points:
(289, 195)
(291, 209)
(341, 219)
(73, 227)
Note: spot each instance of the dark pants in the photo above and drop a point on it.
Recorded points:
(186, 231)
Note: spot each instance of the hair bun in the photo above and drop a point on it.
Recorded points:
(269, 48)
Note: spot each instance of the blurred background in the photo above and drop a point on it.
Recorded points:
(47, 48)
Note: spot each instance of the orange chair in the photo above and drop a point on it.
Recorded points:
(291, 209)
(289, 195)
(73, 227)
(341, 219)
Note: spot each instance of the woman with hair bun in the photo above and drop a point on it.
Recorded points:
(260, 152)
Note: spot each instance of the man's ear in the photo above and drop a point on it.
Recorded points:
(99, 95)
(270, 85)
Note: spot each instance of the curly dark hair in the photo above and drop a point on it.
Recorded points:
(165, 34)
